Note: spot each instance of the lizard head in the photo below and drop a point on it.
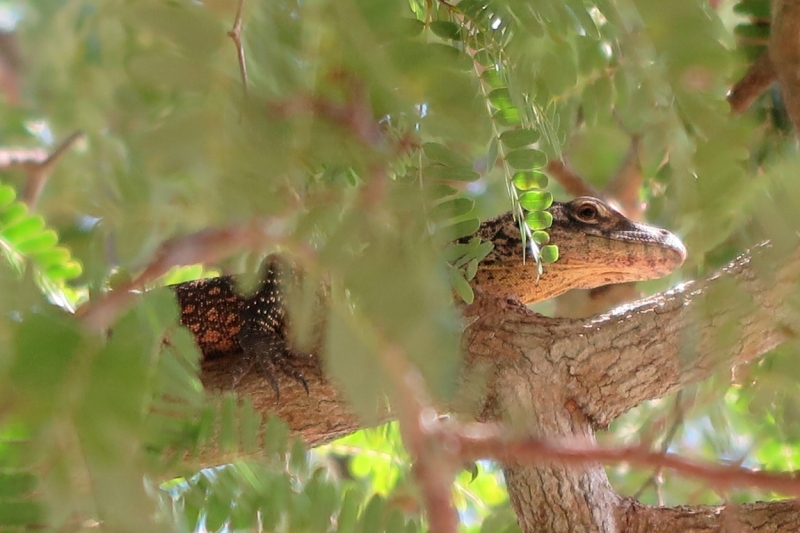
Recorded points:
(597, 246)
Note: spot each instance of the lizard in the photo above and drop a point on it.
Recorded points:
(597, 246)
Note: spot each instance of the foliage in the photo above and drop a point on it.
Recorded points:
(472, 99)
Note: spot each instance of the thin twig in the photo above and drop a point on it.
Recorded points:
(756, 80)
(482, 441)
(236, 34)
(38, 172)
(419, 423)
(654, 479)
(627, 180)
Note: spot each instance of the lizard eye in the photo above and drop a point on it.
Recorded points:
(587, 212)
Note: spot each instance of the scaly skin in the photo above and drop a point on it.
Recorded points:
(597, 246)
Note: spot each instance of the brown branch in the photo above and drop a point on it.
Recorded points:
(39, 172)
(755, 81)
(205, 246)
(432, 469)
(570, 180)
(677, 422)
(623, 188)
(784, 53)
(491, 441)
(236, 35)
(37, 164)
(759, 517)
(354, 115)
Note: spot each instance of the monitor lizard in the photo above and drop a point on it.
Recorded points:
(597, 246)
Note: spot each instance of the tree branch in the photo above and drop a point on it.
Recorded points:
(561, 379)
(756, 80)
(784, 54)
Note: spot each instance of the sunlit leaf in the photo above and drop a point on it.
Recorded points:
(539, 220)
(529, 179)
(526, 158)
(536, 200)
(518, 138)
(549, 253)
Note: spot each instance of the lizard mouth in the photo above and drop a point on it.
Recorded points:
(623, 256)
(661, 240)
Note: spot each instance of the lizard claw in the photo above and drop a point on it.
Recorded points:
(301, 380)
(270, 355)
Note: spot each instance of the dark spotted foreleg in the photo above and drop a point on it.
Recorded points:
(269, 356)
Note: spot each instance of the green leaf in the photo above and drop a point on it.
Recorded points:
(752, 31)
(395, 523)
(583, 18)
(461, 286)
(463, 229)
(508, 117)
(53, 256)
(538, 220)
(441, 190)
(228, 440)
(45, 347)
(452, 252)
(483, 250)
(485, 58)
(352, 360)
(536, 200)
(445, 173)
(446, 29)
(758, 9)
(22, 229)
(452, 208)
(13, 214)
(276, 439)
(540, 237)
(500, 98)
(519, 137)
(64, 271)
(348, 515)
(549, 253)
(408, 27)
(529, 179)
(39, 243)
(217, 511)
(442, 154)
(7, 195)
(372, 517)
(493, 78)
(16, 485)
(526, 158)
(472, 269)
(21, 513)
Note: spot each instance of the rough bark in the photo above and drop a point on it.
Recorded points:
(760, 517)
(566, 377)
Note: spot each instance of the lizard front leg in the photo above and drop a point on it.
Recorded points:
(268, 354)
(264, 332)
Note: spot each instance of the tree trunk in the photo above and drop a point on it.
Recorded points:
(566, 378)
